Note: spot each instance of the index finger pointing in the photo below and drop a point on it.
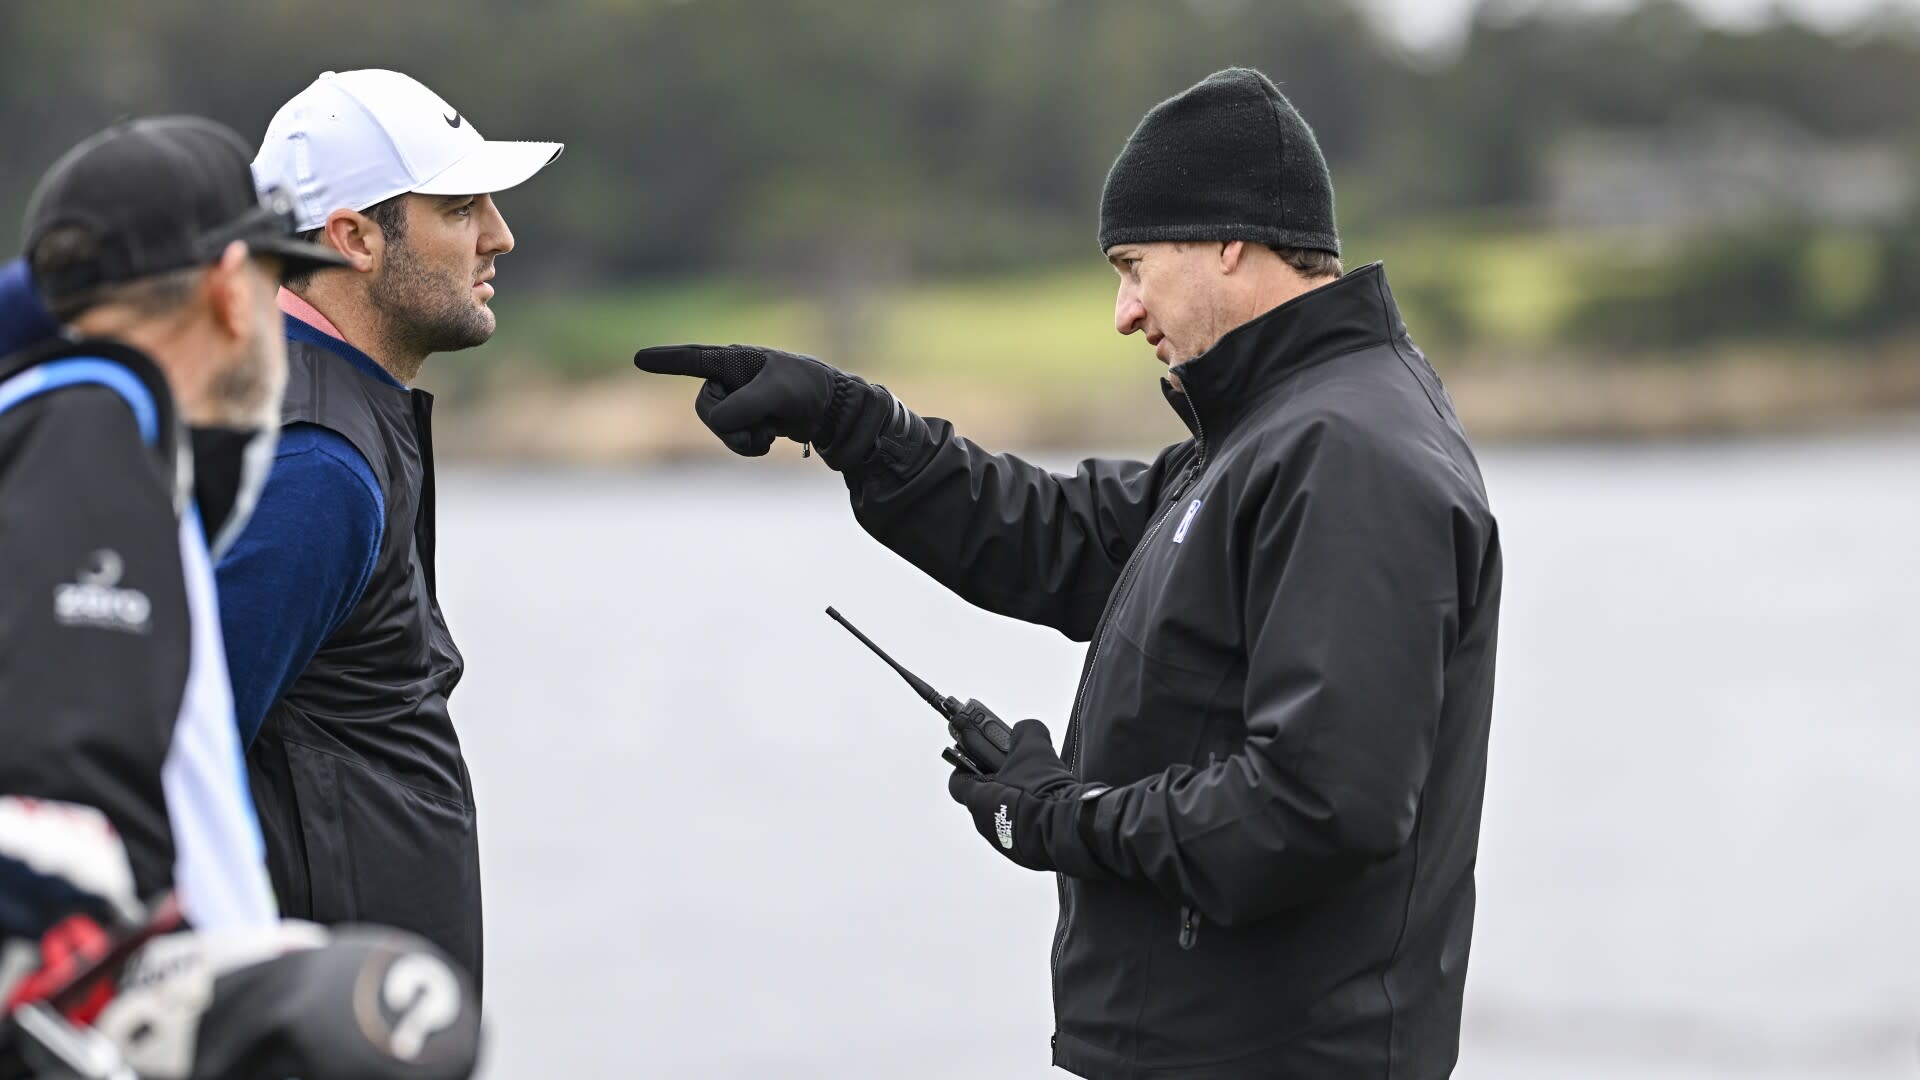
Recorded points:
(732, 366)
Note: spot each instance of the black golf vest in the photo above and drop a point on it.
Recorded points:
(362, 792)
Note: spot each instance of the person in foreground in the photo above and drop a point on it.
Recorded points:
(131, 451)
(342, 662)
(137, 927)
(1267, 809)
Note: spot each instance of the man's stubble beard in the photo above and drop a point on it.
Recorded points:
(423, 310)
(247, 393)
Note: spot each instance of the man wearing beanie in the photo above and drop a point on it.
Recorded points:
(1266, 812)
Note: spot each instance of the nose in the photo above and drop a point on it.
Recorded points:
(1128, 312)
(495, 237)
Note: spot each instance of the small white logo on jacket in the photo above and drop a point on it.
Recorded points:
(93, 599)
(1003, 827)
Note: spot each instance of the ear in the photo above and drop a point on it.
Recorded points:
(1231, 253)
(356, 236)
(230, 291)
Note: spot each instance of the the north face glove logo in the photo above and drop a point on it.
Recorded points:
(1003, 827)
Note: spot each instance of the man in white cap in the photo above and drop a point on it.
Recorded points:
(341, 661)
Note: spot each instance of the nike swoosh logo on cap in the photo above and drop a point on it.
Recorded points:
(452, 121)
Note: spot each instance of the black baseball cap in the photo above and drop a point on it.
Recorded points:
(152, 195)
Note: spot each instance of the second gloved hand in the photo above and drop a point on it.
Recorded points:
(754, 395)
(1033, 810)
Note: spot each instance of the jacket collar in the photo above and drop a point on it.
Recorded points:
(299, 330)
(1223, 383)
(173, 446)
(142, 366)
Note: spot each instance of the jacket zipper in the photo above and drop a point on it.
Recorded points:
(423, 528)
(1189, 926)
(1093, 662)
(1189, 918)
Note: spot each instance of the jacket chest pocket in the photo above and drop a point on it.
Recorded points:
(1164, 691)
(1181, 609)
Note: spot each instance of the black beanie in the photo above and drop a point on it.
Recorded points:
(1228, 159)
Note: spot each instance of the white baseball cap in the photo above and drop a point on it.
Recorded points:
(356, 138)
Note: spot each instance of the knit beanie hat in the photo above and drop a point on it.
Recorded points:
(1228, 159)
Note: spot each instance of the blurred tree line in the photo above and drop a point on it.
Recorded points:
(854, 140)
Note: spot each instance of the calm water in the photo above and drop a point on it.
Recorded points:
(718, 841)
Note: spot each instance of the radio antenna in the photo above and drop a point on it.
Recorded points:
(933, 697)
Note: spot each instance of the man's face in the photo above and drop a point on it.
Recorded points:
(247, 391)
(1176, 294)
(432, 284)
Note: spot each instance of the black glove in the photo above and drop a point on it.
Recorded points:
(755, 395)
(1033, 811)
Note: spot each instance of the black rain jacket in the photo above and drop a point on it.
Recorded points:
(88, 708)
(1292, 617)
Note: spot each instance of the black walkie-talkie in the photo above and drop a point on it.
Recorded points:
(982, 737)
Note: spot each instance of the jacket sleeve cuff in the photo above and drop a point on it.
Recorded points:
(876, 435)
(1073, 844)
(859, 414)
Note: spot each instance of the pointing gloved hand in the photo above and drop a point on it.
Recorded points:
(1033, 810)
(754, 395)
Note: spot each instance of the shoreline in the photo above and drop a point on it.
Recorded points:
(629, 418)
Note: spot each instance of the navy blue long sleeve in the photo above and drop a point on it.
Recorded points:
(299, 568)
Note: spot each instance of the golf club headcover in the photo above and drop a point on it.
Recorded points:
(59, 859)
(352, 1003)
